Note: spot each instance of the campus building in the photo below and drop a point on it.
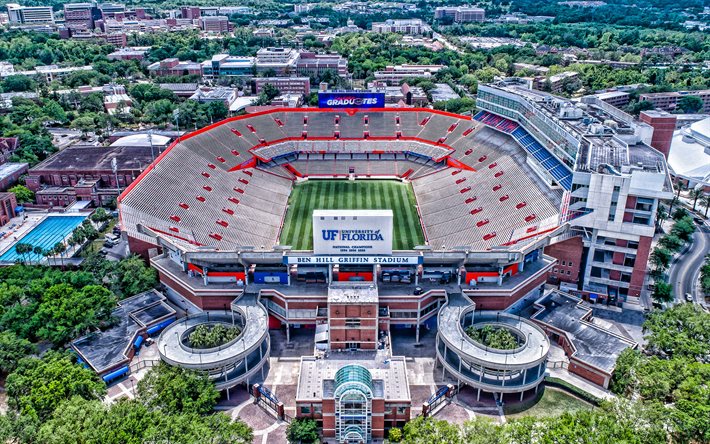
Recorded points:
(80, 15)
(393, 75)
(460, 14)
(174, 67)
(8, 203)
(613, 182)
(402, 26)
(285, 85)
(354, 401)
(668, 101)
(279, 62)
(87, 173)
(30, 15)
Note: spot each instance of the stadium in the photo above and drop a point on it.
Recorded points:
(230, 185)
(353, 222)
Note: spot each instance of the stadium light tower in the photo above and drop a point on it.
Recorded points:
(114, 168)
(150, 140)
(176, 115)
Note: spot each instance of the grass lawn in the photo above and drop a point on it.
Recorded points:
(351, 195)
(553, 402)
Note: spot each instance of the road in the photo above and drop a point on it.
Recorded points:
(685, 270)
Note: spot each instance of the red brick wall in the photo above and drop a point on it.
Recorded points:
(640, 266)
(663, 128)
(365, 334)
(568, 251)
(502, 302)
(140, 247)
(596, 377)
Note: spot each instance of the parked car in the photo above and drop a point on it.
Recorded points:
(689, 297)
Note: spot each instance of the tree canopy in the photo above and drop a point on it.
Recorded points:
(38, 386)
(173, 390)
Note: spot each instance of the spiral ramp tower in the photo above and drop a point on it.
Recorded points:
(487, 369)
(232, 363)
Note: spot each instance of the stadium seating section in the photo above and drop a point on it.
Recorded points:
(227, 185)
(549, 163)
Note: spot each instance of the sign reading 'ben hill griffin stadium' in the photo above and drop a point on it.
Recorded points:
(351, 99)
(366, 232)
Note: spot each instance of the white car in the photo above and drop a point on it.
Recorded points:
(689, 297)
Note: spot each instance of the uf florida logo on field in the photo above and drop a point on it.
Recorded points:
(330, 235)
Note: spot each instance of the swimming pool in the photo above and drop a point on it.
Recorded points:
(51, 230)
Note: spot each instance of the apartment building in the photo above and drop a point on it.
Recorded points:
(668, 101)
(286, 85)
(218, 24)
(393, 75)
(29, 15)
(460, 14)
(401, 26)
(275, 62)
(174, 67)
(80, 15)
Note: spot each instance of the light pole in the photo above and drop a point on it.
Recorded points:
(176, 115)
(150, 140)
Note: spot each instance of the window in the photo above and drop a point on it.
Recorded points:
(352, 322)
(563, 263)
(305, 410)
(554, 270)
(569, 263)
(568, 272)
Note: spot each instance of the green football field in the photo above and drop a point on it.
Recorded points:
(351, 195)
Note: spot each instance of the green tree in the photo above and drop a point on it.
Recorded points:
(130, 422)
(173, 390)
(690, 104)
(208, 336)
(39, 252)
(395, 434)
(132, 276)
(23, 249)
(18, 83)
(490, 336)
(100, 215)
(695, 194)
(59, 249)
(216, 111)
(38, 386)
(12, 349)
(270, 91)
(84, 124)
(302, 431)
(683, 330)
(431, 431)
(22, 193)
(661, 257)
(662, 291)
(65, 313)
(684, 228)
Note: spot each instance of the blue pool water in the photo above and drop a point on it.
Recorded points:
(51, 230)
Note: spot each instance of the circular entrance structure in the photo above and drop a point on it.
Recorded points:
(515, 368)
(230, 363)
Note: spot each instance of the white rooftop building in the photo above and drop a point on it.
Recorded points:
(689, 157)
